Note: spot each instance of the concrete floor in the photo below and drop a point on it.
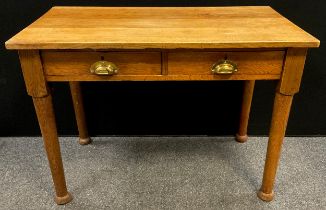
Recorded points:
(163, 173)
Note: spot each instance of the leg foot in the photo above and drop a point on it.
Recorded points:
(248, 91)
(241, 139)
(77, 99)
(265, 196)
(85, 141)
(64, 199)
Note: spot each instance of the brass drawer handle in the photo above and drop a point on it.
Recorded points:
(104, 68)
(224, 67)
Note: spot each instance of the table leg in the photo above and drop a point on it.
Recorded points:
(289, 85)
(37, 87)
(248, 91)
(77, 99)
(281, 110)
(46, 119)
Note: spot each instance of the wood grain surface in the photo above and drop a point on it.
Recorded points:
(248, 63)
(281, 111)
(46, 119)
(248, 91)
(33, 73)
(79, 63)
(61, 78)
(161, 27)
(293, 70)
(77, 100)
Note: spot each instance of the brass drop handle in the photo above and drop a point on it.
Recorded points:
(104, 68)
(224, 67)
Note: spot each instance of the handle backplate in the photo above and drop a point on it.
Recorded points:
(104, 68)
(224, 67)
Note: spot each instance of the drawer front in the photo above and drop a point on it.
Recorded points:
(248, 63)
(78, 63)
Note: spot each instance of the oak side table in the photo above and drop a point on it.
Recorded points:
(74, 44)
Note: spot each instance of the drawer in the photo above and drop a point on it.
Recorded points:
(248, 63)
(77, 64)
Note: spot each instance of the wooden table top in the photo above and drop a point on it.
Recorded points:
(161, 27)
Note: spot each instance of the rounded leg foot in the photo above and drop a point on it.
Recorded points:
(85, 141)
(265, 196)
(64, 199)
(241, 139)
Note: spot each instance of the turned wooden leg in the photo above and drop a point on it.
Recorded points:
(79, 113)
(37, 87)
(289, 85)
(281, 110)
(46, 119)
(248, 91)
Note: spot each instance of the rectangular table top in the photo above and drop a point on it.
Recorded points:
(161, 27)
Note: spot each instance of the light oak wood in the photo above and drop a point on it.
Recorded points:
(165, 69)
(67, 66)
(77, 99)
(249, 63)
(79, 63)
(38, 89)
(160, 77)
(161, 27)
(287, 87)
(293, 70)
(281, 110)
(46, 119)
(33, 73)
(248, 91)
(162, 44)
